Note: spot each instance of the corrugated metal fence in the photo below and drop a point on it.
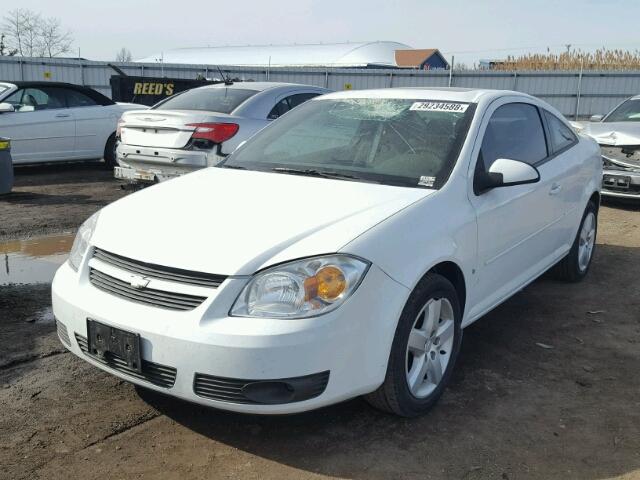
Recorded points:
(575, 94)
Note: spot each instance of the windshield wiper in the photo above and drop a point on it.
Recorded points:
(311, 172)
(236, 167)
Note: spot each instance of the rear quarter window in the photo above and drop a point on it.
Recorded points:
(560, 135)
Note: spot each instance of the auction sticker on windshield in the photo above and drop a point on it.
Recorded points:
(439, 107)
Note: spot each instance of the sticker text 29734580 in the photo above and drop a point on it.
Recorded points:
(440, 107)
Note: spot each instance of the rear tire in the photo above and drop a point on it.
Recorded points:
(575, 266)
(110, 160)
(424, 351)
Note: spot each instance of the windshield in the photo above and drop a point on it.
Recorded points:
(392, 141)
(3, 89)
(217, 99)
(628, 111)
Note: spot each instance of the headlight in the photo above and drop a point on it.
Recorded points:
(81, 242)
(301, 289)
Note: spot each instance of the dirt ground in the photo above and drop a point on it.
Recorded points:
(569, 409)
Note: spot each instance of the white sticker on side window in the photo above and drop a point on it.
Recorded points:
(440, 107)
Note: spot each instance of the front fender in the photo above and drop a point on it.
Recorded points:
(439, 228)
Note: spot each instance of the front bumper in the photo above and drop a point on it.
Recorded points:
(352, 343)
(150, 164)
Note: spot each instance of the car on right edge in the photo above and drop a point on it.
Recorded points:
(618, 134)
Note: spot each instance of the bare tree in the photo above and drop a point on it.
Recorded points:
(53, 40)
(30, 35)
(124, 55)
(13, 28)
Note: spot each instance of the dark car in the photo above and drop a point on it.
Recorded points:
(6, 166)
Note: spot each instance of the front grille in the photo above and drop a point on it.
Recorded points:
(159, 272)
(155, 373)
(62, 333)
(233, 390)
(147, 296)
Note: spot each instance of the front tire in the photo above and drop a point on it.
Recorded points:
(575, 266)
(424, 351)
(110, 160)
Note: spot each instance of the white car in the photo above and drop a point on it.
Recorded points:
(198, 128)
(339, 252)
(50, 122)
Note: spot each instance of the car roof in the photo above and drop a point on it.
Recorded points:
(260, 86)
(452, 94)
(91, 93)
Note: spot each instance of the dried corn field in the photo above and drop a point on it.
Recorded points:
(601, 59)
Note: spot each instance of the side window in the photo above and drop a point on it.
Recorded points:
(36, 99)
(300, 98)
(561, 135)
(78, 99)
(281, 108)
(15, 99)
(514, 132)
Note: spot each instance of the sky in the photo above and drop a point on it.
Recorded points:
(470, 30)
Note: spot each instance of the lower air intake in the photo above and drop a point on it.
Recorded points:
(159, 375)
(260, 392)
(63, 334)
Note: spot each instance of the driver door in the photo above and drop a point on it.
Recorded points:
(42, 128)
(517, 225)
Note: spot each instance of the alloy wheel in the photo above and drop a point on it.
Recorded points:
(586, 241)
(429, 347)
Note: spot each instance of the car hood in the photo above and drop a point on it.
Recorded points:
(612, 133)
(235, 222)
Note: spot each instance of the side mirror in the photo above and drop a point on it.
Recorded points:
(596, 118)
(505, 173)
(6, 108)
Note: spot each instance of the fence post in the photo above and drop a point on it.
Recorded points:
(515, 81)
(142, 69)
(579, 90)
(81, 74)
(326, 78)
(451, 70)
(390, 79)
(21, 70)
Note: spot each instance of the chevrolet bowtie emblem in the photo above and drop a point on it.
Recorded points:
(138, 282)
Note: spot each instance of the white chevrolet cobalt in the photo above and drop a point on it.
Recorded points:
(338, 253)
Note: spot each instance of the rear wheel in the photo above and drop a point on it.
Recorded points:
(575, 265)
(110, 152)
(424, 350)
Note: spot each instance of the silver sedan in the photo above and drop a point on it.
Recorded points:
(618, 134)
(200, 127)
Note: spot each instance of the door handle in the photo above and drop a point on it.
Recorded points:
(63, 115)
(555, 189)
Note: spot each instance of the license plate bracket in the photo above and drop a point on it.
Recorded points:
(619, 182)
(106, 341)
(122, 173)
